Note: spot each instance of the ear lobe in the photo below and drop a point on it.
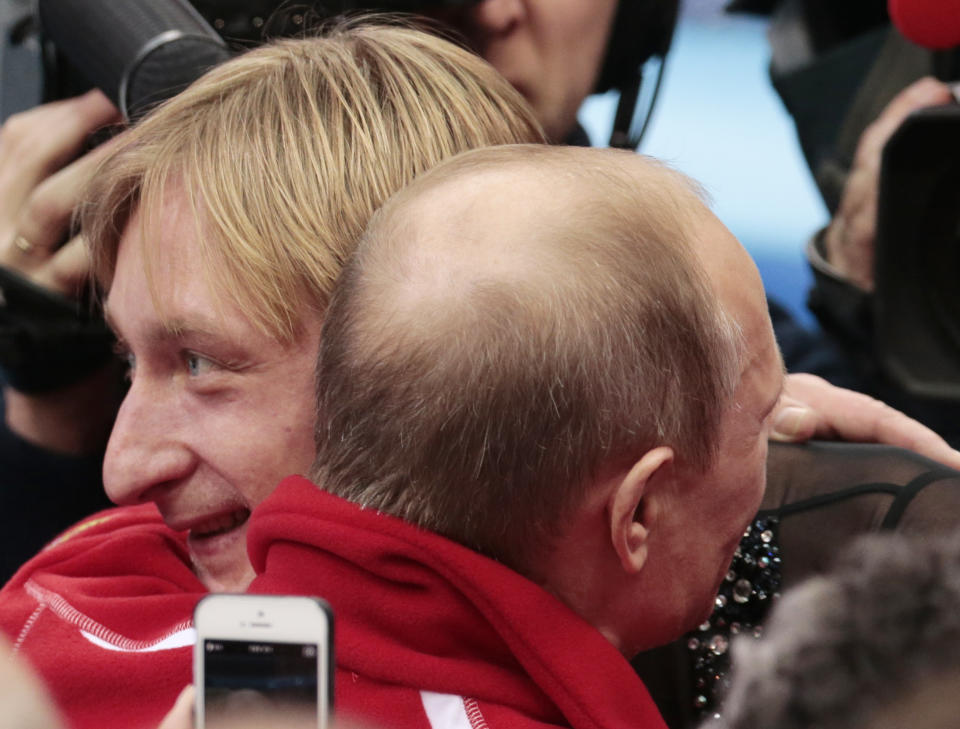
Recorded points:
(628, 518)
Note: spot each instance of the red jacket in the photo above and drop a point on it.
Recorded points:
(104, 614)
(432, 635)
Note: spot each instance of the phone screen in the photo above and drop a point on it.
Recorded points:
(244, 679)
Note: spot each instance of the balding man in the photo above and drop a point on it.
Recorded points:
(545, 386)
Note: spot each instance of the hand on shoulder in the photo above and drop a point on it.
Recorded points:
(811, 407)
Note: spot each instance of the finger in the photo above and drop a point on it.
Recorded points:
(68, 271)
(922, 93)
(33, 143)
(852, 416)
(839, 413)
(36, 143)
(45, 217)
(181, 715)
(793, 422)
(851, 234)
(895, 428)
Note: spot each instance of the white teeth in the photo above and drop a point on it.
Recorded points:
(220, 524)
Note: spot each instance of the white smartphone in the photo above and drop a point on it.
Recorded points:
(260, 659)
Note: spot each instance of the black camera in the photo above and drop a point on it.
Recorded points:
(140, 52)
(917, 258)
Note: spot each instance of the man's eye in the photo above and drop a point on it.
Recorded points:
(198, 365)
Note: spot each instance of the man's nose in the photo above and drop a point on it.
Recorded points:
(498, 16)
(145, 451)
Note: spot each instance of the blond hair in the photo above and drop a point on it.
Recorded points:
(478, 371)
(285, 152)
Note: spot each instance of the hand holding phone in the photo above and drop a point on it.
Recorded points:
(263, 658)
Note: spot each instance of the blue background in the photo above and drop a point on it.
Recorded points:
(719, 120)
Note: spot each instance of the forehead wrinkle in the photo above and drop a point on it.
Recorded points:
(178, 327)
(754, 363)
(167, 328)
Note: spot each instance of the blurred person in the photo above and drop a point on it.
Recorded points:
(847, 246)
(541, 432)
(217, 227)
(554, 52)
(842, 256)
(860, 646)
(850, 78)
(181, 717)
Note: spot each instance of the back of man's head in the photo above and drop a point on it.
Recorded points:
(515, 324)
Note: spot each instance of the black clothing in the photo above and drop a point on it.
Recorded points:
(846, 314)
(41, 494)
(47, 341)
(812, 351)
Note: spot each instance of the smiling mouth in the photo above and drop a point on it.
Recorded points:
(220, 524)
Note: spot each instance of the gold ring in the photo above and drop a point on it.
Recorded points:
(23, 244)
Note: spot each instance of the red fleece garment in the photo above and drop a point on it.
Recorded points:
(104, 614)
(430, 634)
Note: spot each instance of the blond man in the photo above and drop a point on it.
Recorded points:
(217, 227)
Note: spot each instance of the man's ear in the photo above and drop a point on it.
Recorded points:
(629, 520)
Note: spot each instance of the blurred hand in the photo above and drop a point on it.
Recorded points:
(40, 185)
(811, 407)
(25, 702)
(181, 715)
(852, 233)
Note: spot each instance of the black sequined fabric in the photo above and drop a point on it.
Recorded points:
(746, 595)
